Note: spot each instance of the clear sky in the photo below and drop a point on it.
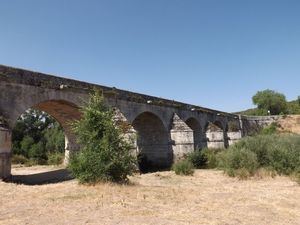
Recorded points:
(213, 53)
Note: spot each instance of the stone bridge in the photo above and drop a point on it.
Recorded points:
(163, 130)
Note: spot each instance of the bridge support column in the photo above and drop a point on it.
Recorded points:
(5, 153)
(215, 139)
(182, 138)
(234, 136)
(71, 147)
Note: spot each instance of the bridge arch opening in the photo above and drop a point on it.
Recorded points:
(42, 134)
(216, 135)
(197, 132)
(154, 151)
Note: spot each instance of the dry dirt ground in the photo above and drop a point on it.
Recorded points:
(208, 197)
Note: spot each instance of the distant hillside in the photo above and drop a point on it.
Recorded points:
(293, 109)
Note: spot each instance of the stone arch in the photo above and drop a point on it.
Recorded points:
(153, 146)
(63, 112)
(194, 124)
(216, 134)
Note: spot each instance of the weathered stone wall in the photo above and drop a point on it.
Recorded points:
(182, 138)
(253, 124)
(234, 137)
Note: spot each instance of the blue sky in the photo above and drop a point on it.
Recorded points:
(213, 53)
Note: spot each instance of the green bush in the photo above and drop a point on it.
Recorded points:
(19, 159)
(212, 157)
(183, 167)
(37, 152)
(277, 153)
(105, 155)
(235, 159)
(271, 129)
(197, 158)
(55, 158)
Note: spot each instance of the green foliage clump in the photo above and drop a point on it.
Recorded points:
(183, 167)
(37, 135)
(271, 101)
(279, 153)
(212, 157)
(105, 155)
(294, 107)
(271, 129)
(197, 158)
(236, 160)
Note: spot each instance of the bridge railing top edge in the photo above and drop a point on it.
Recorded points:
(262, 117)
(27, 77)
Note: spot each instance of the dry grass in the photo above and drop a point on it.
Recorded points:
(208, 197)
(290, 124)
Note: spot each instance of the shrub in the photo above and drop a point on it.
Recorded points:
(19, 159)
(234, 159)
(55, 158)
(197, 158)
(274, 153)
(105, 155)
(183, 167)
(212, 157)
(271, 129)
(37, 152)
(242, 174)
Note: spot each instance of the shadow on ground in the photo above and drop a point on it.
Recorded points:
(50, 177)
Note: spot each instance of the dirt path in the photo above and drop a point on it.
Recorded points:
(208, 197)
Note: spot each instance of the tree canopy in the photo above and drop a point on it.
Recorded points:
(272, 101)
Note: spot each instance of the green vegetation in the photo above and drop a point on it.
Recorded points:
(36, 137)
(269, 100)
(279, 152)
(183, 167)
(268, 153)
(236, 161)
(270, 129)
(271, 152)
(105, 155)
(198, 159)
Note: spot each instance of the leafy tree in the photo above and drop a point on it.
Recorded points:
(270, 100)
(105, 155)
(36, 136)
(25, 146)
(54, 138)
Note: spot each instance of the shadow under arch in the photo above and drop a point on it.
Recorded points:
(197, 132)
(153, 147)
